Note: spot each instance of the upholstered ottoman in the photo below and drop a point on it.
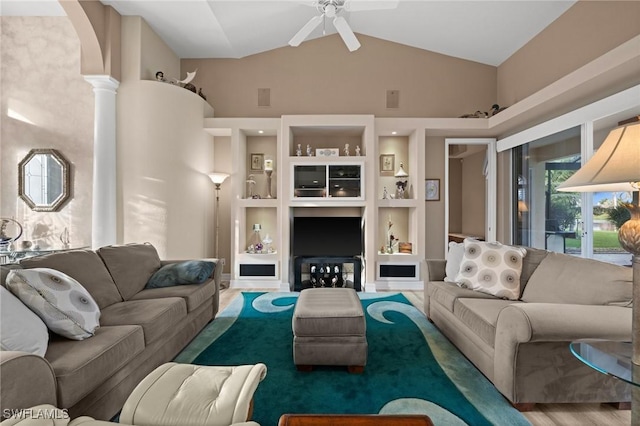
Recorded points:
(329, 329)
(193, 395)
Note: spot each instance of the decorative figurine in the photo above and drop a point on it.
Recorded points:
(357, 150)
(309, 154)
(385, 193)
(299, 151)
(346, 149)
(160, 76)
(251, 183)
(64, 238)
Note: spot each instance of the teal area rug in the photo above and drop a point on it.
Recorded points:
(411, 367)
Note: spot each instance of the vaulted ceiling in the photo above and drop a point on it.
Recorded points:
(483, 31)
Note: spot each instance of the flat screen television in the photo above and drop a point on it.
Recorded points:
(327, 236)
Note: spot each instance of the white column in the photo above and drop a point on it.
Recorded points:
(103, 217)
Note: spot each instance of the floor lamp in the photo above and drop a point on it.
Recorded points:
(217, 179)
(616, 167)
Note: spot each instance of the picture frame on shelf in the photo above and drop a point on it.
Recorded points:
(432, 189)
(257, 162)
(387, 164)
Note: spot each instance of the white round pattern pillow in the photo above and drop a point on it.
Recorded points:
(491, 268)
(59, 300)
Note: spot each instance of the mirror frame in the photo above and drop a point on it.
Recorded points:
(66, 184)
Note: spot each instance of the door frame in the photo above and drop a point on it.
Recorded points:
(491, 204)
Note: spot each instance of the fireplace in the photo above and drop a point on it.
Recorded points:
(326, 251)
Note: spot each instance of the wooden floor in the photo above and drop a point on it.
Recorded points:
(543, 414)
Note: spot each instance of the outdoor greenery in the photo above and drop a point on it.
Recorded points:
(564, 206)
(618, 215)
(603, 240)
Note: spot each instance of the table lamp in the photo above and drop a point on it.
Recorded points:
(616, 167)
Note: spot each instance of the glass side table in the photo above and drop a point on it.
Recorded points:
(608, 357)
(14, 256)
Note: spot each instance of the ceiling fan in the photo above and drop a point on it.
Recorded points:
(332, 9)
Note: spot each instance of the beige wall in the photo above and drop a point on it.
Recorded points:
(322, 77)
(455, 195)
(473, 195)
(434, 210)
(41, 82)
(584, 32)
(163, 153)
(144, 53)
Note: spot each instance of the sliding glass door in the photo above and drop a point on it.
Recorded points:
(544, 217)
(581, 224)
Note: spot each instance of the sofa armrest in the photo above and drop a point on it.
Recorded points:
(552, 324)
(556, 322)
(436, 269)
(26, 380)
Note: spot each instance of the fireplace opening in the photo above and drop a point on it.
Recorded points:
(327, 251)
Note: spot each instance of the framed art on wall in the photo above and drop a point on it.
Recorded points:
(257, 162)
(387, 164)
(432, 189)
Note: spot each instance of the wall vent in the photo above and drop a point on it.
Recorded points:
(264, 97)
(393, 99)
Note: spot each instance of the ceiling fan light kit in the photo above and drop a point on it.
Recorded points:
(332, 9)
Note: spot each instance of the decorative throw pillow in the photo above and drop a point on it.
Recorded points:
(491, 268)
(20, 328)
(60, 301)
(454, 260)
(188, 272)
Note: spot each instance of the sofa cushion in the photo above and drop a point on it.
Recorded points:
(179, 273)
(130, 266)
(20, 328)
(491, 268)
(481, 316)
(529, 264)
(60, 301)
(80, 366)
(193, 294)
(86, 267)
(454, 259)
(561, 278)
(154, 315)
(446, 294)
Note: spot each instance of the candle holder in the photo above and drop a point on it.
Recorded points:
(268, 173)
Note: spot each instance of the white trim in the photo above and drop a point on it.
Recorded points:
(586, 152)
(627, 99)
(492, 186)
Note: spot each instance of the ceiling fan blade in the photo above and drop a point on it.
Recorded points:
(358, 5)
(345, 32)
(305, 31)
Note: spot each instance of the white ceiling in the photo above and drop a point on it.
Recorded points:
(483, 31)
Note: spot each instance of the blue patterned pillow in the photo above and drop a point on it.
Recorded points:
(188, 272)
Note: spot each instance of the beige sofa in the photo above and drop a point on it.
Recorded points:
(140, 329)
(522, 346)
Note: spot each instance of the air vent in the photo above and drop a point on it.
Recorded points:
(393, 99)
(264, 97)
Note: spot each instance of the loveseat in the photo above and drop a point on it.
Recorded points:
(140, 329)
(522, 345)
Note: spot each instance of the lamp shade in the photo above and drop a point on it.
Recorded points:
(614, 167)
(218, 178)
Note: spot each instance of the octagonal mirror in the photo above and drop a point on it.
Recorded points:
(44, 180)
